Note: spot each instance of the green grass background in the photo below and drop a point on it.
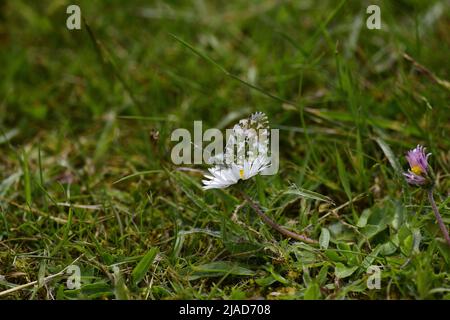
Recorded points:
(79, 110)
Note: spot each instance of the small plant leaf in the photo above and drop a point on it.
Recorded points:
(324, 238)
(218, 269)
(342, 271)
(143, 266)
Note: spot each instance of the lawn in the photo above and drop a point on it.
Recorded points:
(92, 206)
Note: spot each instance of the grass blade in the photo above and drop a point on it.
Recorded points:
(144, 265)
(26, 178)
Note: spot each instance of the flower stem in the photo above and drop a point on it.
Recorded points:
(438, 216)
(274, 225)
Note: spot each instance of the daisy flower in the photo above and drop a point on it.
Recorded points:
(420, 174)
(418, 163)
(250, 139)
(221, 177)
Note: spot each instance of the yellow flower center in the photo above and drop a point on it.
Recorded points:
(241, 173)
(417, 170)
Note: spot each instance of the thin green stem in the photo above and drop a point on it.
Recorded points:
(274, 225)
(438, 216)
